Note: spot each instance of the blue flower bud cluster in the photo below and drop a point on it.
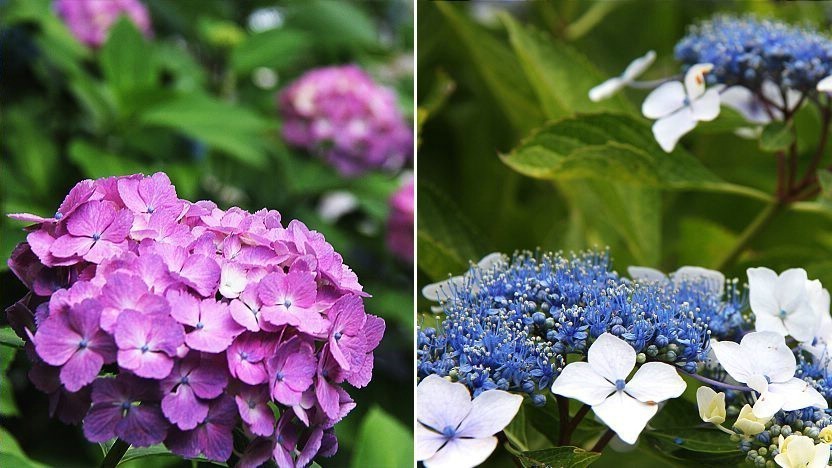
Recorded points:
(511, 326)
(747, 51)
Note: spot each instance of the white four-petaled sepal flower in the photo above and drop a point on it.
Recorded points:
(800, 451)
(685, 274)
(711, 405)
(625, 407)
(762, 361)
(454, 431)
(444, 289)
(786, 304)
(613, 85)
(678, 106)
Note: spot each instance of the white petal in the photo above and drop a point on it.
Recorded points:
(646, 274)
(490, 260)
(443, 289)
(639, 66)
(742, 100)
(440, 403)
(625, 415)
(668, 130)
(664, 100)
(803, 323)
(821, 458)
(791, 289)
(732, 358)
(825, 85)
(767, 404)
(427, 442)
(695, 80)
(490, 412)
(462, 453)
(611, 357)
(798, 394)
(818, 297)
(655, 382)
(770, 323)
(769, 355)
(706, 107)
(580, 381)
(606, 89)
(695, 273)
(762, 284)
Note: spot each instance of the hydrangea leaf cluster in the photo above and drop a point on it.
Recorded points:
(749, 51)
(90, 20)
(510, 326)
(157, 320)
(342, 115)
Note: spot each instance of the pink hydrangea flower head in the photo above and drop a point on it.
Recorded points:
(208, 318)
(341, 114)
(90, 20)
(400, 222)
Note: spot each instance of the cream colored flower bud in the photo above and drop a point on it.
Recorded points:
(801, 451)
(711, 405)
(826, 434)
(748, 423)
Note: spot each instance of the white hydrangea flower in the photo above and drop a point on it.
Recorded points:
(686, 273)
(454, 431)
(442, 290)
(625, 407)
(762, 361)
(677, 107)
(825, 85)
(613, 85)
(788, 304)
(799, 451)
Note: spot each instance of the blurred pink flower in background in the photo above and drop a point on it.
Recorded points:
(90, 20)
(400, 223)
(341, 114)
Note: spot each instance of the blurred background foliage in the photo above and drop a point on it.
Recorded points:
(492, 73)
(197, 100)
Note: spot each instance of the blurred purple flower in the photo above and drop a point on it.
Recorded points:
(90, 20)
(400, 222)
(341, 114)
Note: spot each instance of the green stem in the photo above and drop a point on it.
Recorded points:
(115, 454)
(591, 17)
(603, 441)
(751, 231)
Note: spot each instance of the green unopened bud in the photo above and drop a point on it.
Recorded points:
(786, 431)
(652, 351)
(762, 451)
(641, 358)
(735, 438)
(774, 430)
(671, 355)
(760, 461)
(549, 323)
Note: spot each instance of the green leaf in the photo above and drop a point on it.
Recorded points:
(275, 48)
(9, 338)
(95, 162)
(697, 439)
(560, 75)
(11, 455)
(126, 59)
(612, 147)
(497, 67)
(565, 457)
(333, 24)
(233, 129)
(383, 441)
(442, 88)
(446, 239)
(776, 136)
(135, 453)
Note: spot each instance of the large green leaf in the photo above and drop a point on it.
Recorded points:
(275, 48)
(498, 68)
(612, 147)
(446, 240)
(233, 129)
(95, 162)
(565, 457)
(127, 60)
(560, 76)
(383, 441)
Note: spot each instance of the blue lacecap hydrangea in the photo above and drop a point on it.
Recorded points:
(746, 51)
(512, 326)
